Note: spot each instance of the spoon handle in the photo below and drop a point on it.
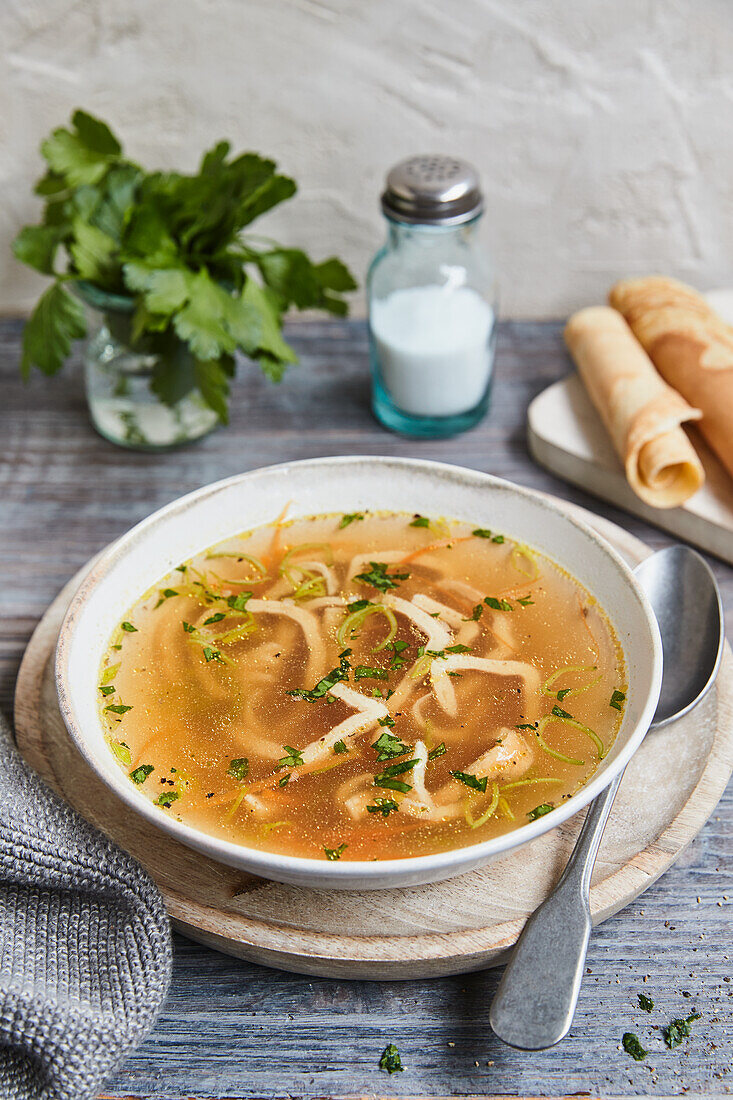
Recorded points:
(536, 999)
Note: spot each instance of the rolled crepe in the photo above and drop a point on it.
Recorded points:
(691, 347)
(641, 412)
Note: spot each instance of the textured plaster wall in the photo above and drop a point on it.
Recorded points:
(602, 128)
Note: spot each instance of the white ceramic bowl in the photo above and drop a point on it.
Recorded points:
(177, 532)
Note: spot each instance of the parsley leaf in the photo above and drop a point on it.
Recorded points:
(482, 533)
(378, 577)
(459, 648)
(390, 1060)
(340, 748)
(678, 1030)
(166, 798)
(365, 672)
(118, 708)
(294, 758)
(475, 614)
(350, 517)
(238, 768)
(471, 780)
(327, 682)
(420, 521)
(388, 746)
(633, 1047)
(540, 811)
(618, 698)
(646, 1003)
(497, 605)
(335, 853)
(439, 750)
(216, 618)
(383, 806)
(129, 628)
(141, 773)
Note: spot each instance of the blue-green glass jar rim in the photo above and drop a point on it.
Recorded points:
(103, 300)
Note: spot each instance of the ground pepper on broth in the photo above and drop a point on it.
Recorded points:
(363, 686)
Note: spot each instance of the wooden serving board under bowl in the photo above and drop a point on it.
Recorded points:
(567, 436)
(669, 790)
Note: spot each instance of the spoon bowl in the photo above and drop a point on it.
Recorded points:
(686, 602)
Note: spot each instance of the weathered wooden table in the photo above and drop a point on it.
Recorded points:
(234, 1030)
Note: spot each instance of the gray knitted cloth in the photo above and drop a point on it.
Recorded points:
(85, 953)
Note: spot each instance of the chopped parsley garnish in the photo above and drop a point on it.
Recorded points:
(165, 798)
(482, 533)
(395, 769)
(633, 1047)
(340, 748)
(239, 602)
(472, 781)
(390, 1060)
(121, 750)
(118, 708)
(389, 722)
(498, 538)
(329, 680)
(559, 712)
(358, 605)
(188, 627)
(165, 594)
(211, 654)
(283, 782)
(398, 647)
(109, 673)
(527, 726)
(618, 698)
(563, 692)
(388, 746)
(335, 853)
(141, 773)
(392, 784)
(475, 614)
(350, 517)
(239, 768)
(497, 605)
(525, 601)
(294, 758)
(678, 1030)
(214, 618)
(646, 1003)
(107, 689)
(540, 811)
(383, 806)
(459, 648)
(420, 521)
(378, 577)
(365, 672)
(129, 628)
(439, 750)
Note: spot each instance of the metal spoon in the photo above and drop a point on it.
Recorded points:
(538, 993)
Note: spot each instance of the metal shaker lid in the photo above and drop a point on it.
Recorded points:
(432, 190)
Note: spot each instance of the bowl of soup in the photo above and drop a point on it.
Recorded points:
(358, 672)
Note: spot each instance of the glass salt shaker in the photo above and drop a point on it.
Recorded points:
(432, 301)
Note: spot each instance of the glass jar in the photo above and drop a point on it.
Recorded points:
(119, 375)
(432, 302)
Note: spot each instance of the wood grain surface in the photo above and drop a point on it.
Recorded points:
(232, 1029)
(467, 923)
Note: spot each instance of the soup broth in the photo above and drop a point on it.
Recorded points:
(364, 686)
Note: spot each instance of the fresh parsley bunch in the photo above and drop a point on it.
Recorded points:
(174, 245)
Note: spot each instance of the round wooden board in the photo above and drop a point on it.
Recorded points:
(670, 789)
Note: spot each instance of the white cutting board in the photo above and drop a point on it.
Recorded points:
(567, 436)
